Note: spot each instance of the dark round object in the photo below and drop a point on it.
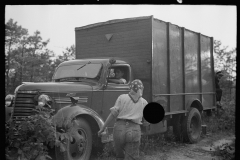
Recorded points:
(192, 126)
(81, 146)
(153, 112)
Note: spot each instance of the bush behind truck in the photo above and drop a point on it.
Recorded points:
(174, 64)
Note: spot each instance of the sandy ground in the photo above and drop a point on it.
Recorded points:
(200, 151)
(203, 150)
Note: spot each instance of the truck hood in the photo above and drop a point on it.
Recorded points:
(55, 87)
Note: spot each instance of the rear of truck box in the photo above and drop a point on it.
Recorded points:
(182, 67)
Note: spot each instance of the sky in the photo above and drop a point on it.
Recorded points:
(58, 22)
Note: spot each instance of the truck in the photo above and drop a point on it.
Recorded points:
(175, 65)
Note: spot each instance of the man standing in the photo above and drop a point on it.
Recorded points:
(218, 89)
(128, 110)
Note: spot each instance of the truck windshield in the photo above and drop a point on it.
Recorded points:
(71, 71)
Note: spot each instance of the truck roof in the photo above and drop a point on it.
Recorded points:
(95, 60)
(112, 22)
(126, 20)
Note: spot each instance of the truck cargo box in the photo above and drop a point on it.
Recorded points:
(174, 63)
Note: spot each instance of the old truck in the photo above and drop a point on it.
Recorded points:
(175, 65)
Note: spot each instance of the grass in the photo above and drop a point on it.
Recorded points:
(224, 120)
(153, 147)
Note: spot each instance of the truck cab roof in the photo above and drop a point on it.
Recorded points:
(95, 60)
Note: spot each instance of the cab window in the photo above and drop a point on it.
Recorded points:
(119, 75)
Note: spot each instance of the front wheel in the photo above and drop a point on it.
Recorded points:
(192, 126)
(81, 146)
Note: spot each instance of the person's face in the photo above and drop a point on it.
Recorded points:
(119, 74)
(140, 92)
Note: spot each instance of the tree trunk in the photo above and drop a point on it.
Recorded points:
(230, 93)
(31, 78)
(32, 72)
(8, 68)
(21, 73)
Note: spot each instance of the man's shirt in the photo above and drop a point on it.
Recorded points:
(125, 108)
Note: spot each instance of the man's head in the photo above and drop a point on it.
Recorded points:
(136, 87)
(119, 73)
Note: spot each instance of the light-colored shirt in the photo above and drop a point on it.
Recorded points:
(125, 108)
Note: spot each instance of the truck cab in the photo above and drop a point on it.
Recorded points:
(88, 81)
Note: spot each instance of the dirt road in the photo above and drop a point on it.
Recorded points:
(203, 150)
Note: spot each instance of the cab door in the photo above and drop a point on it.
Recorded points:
(110, 95)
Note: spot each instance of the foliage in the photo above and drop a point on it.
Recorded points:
(27, 58)
(30, 138)
(13, 34)
(222, 120)
(225, 151)
(27, 137)
(224, 59)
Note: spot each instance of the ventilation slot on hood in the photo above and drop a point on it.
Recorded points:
(24, 104)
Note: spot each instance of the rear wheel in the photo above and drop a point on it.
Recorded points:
(192, 124)
(81, 146)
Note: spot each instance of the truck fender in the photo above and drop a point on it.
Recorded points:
(66, 114)
(195, 103)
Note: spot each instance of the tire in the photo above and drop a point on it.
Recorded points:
(81, 146)
(192, 126)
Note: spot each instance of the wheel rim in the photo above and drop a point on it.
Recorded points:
(194, 128)
(78, 145)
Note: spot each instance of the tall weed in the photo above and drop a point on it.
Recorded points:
(223, 119)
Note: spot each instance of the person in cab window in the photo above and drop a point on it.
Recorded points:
(128, 112)
(118, 77)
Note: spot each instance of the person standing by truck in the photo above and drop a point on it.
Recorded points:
(218, 89)
(128, 112)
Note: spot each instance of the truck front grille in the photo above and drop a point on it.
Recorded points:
(23, 105)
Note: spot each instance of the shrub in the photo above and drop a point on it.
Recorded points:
(30, 138)
(222, 120)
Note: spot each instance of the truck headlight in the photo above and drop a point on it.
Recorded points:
(43, 100)
(9, 100)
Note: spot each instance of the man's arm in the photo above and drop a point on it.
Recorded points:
(109, 119)
(119, 81)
